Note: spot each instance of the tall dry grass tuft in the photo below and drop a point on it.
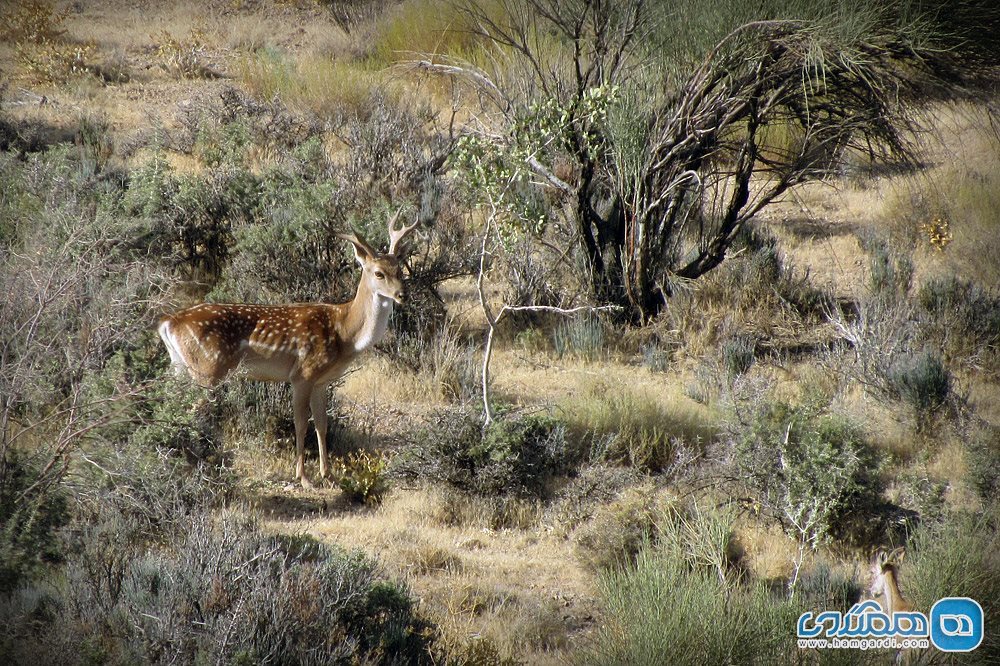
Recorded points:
(328, 88)
(634, 427)
(682, 599)
(416, 28)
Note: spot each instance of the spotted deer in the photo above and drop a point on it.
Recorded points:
(308, 345)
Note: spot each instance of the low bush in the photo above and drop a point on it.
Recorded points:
(580, 337)
(361, 475)
(964, 317)
(182, 57)
(983, 451)
(320, 85)
(447, 365)
(224, 592)
(594, 486)
(157, 569)
(823, 588)
(738, 354)
(618, 530)
(890, 266)
(755, 295)
(922, 381)
(512, 457)
(56, 62)
(424, 27)
(896, 338)
(29, 522)
(34, 21)
(655, 357)
(809, 470)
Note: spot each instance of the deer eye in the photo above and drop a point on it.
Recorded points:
(379, 275)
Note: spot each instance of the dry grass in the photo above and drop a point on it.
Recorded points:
(378, 381)
(644, 428)
(768, 552)
(519, 588)
(416, 28)
(325, 87)
(984, 396)
(962, 190)
(249, 33)
(948, 463)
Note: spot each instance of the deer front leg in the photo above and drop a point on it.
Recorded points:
(300, 407)
(318, 405)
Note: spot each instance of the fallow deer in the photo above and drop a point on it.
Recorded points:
(308, 345)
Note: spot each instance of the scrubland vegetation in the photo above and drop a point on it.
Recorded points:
(752, 280)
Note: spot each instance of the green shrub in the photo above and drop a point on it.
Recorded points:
(922, 381)
(77, 293)
(163, 411)
(964, 317)
(958, 556)
(809, 470)
(259, 410)
(225, 592)
(923, 494)
(512, 457)
(29, 522)
(662, 609)
(738, 354)
(157, 569)
(891, 269)
(361, 475)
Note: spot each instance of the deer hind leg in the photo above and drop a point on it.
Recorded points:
(317, 403)
(300, 411)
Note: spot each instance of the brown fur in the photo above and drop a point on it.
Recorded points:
(885, 581)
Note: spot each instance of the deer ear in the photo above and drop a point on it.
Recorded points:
(362, 251)
(898, 555)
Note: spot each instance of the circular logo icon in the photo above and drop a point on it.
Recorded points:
(956, 624)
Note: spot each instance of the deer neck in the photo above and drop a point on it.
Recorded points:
(894, 601)
(368, 317)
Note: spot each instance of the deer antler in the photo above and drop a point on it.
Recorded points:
(397, 235)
